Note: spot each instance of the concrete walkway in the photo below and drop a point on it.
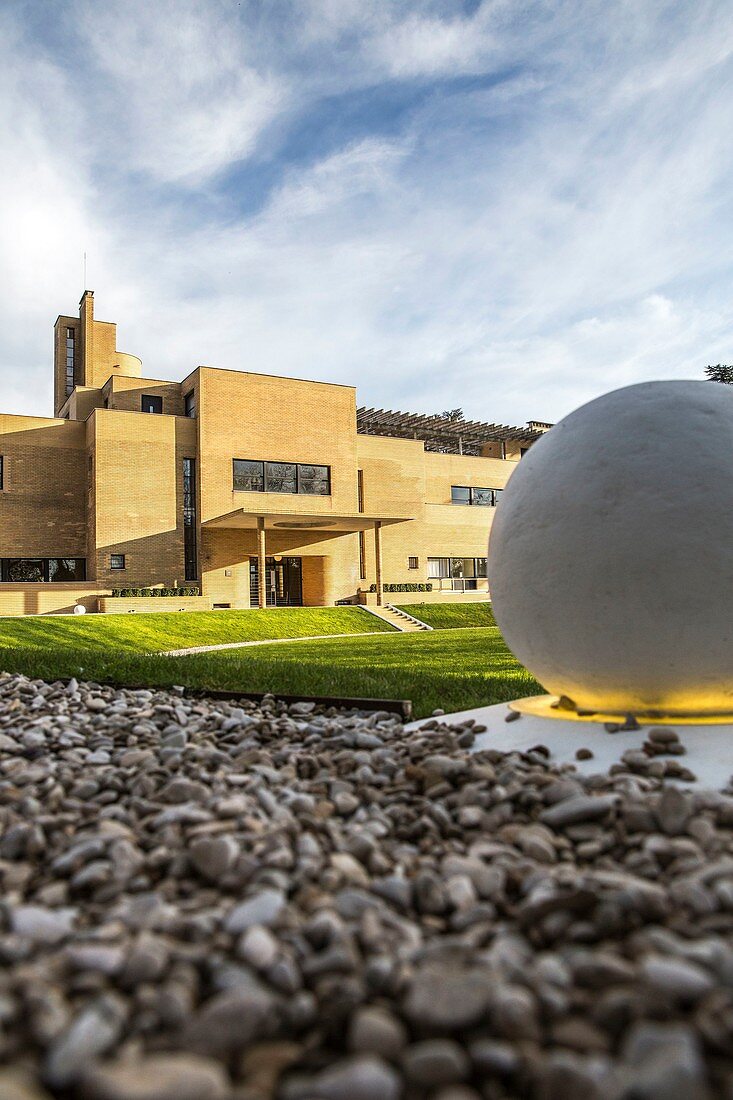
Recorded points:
(275, 641)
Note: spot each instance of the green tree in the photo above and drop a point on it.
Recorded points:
(455, 415)
(721, 372)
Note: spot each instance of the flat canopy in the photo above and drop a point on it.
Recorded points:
(304, 521)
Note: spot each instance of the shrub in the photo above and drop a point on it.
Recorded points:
(146, 593)
(407, 586)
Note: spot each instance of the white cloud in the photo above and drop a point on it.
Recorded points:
(514, 245)
(181, 84)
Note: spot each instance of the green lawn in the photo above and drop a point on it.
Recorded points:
(180, 630)
(450, 616)
(451, 669)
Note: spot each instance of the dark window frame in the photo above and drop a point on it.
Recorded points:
(476, 571)
(472, 490)
(113, 558)
(413, 562)
(80, 566)
(155, 399)
(301, 478)
(189, 404)
(190, 520)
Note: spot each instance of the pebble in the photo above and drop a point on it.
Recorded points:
(436, 1062)
(362, 1077)
(263, 908)
(48, 926)
(232, 1019)
(213, 856)
(259, 947)
(576, 811)
(448, 997)
(158, 1077)
(375, 1030)
(254, 901)
(93, 1032)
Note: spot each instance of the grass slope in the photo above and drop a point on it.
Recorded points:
(174, 630)
(451, 616)
(452, 669)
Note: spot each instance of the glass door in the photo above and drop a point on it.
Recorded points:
(283, 582)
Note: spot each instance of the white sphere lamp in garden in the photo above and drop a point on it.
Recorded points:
(611, 577)
(611, 555)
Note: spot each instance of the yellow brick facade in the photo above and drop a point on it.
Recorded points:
(102, 484)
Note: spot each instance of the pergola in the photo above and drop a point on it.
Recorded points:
(440, 433)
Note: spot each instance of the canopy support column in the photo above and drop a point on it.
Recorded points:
(261, 559)
(378, 558)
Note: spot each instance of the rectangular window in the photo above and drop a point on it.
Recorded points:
(2, 473)
(117, 561)
(459, 574)
(281, 477)
(314, 480)
(190, 558)
(438, 568)
(189, 403)
(40, 570)
(67, 569)
(152, 403)
(412, 563)
(249, 477)
(464, 494)
(362, 556)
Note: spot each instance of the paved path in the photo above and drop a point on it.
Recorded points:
(276, 641)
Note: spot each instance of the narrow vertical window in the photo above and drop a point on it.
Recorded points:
(189, 519)
(2, 474)
(69, 361)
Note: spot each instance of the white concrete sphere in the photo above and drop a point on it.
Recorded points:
(611, 552)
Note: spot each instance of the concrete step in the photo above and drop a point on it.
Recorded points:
(404, 623)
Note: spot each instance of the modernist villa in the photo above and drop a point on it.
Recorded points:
(253, 489)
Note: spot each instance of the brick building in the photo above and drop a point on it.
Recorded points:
(230, 477)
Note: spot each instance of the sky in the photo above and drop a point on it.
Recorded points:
(508, 206)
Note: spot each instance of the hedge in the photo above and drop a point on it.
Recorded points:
(189, 590)
(409, 586)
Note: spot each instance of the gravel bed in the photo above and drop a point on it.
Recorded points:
(205, 900)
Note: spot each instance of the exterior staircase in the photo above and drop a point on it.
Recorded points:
(399, 619)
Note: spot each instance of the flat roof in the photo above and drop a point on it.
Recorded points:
(303, 522)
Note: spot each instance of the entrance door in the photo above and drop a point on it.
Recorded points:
(283, 582)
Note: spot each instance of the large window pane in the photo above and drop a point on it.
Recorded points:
(481, 567)
(460, 494)
(438, 567)
(314, 480)
(281, 477)
(482, 496)
(463, 567)
(67, 569)
(248, 476)
(24, 570)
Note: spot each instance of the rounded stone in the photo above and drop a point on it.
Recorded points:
(609, 562)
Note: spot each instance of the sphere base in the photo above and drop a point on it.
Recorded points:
(524, 724)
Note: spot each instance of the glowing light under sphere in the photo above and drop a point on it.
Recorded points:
(611, 553)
